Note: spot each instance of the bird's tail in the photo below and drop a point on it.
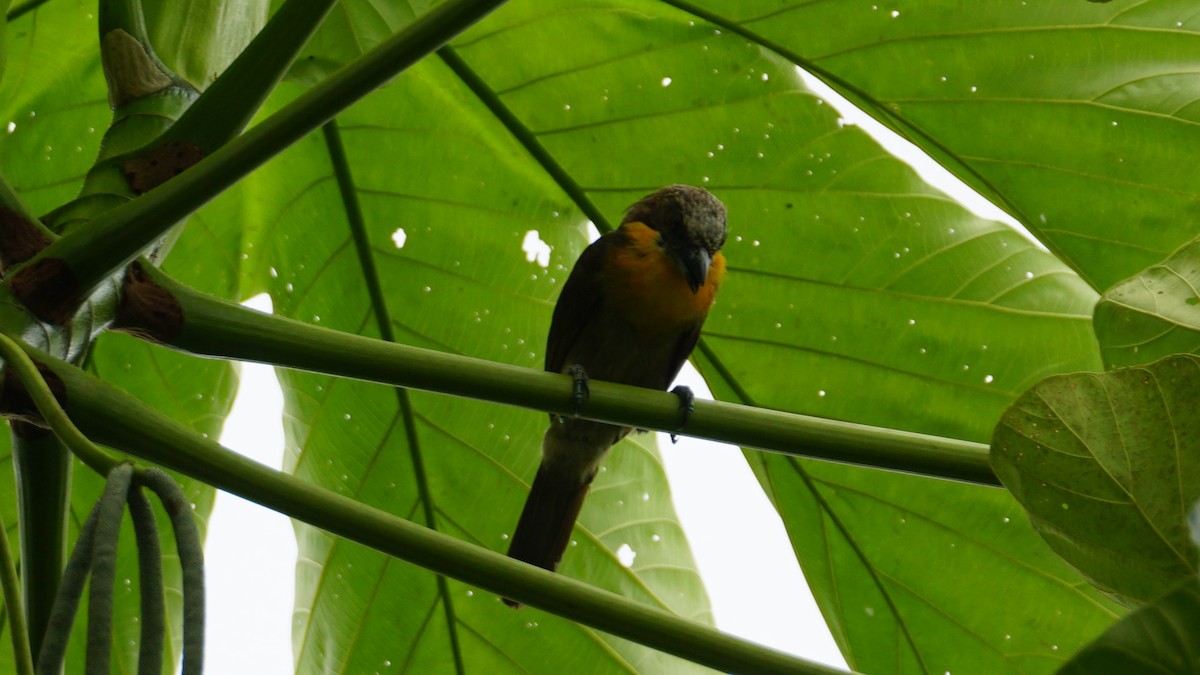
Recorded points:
(547, 520)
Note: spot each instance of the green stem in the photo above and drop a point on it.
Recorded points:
(42, 468)
(117, 236)
(20, 362)
(216, 328)
(116, 419)
(19, 11)
(13, 606)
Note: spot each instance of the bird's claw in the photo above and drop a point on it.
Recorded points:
(579, 389)
(687, 406)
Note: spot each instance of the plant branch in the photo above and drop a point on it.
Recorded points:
(114, 238)
(14, 607)
(116, 419)
(213, 327)
(20, 10)
(42, 472)
(19, 362)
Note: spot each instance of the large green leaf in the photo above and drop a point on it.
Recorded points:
(921, 288)
(352, 28)
(3, 32)
(1160, 638)
(1153, 313)
(1077, 115)
(53, 102)
(197, 39)
(1108, 467)
(855, 292)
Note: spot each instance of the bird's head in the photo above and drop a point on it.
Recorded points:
(691, 225)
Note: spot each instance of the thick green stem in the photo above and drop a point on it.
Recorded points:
(22, 9)
(213, 327)
(43, 475)
(116, 237)
(114, 418)
(19, 629)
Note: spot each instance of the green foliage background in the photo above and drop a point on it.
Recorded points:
(856, 291)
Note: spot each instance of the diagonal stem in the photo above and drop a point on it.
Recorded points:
(13, 607)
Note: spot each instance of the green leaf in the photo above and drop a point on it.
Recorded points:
(352, 27)
(1075, 116)
(856, 291)
(3, 30)
(984, 282)
(53, 103)
(1106, 465)
(1154, 313)
(1159, 638)
(197, 39)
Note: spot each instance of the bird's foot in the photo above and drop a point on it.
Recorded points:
(687, 406)
(579, 389)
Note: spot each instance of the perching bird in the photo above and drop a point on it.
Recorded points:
(630, 312)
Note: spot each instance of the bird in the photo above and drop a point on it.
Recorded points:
(630, 312)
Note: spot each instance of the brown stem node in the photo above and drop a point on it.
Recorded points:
(20, 239)
(147, 309)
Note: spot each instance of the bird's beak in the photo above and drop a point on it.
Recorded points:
(695, 263)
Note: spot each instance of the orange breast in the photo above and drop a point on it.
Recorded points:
(647, 287)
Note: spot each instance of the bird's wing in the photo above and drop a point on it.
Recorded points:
(578, 304)
(683, 348)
